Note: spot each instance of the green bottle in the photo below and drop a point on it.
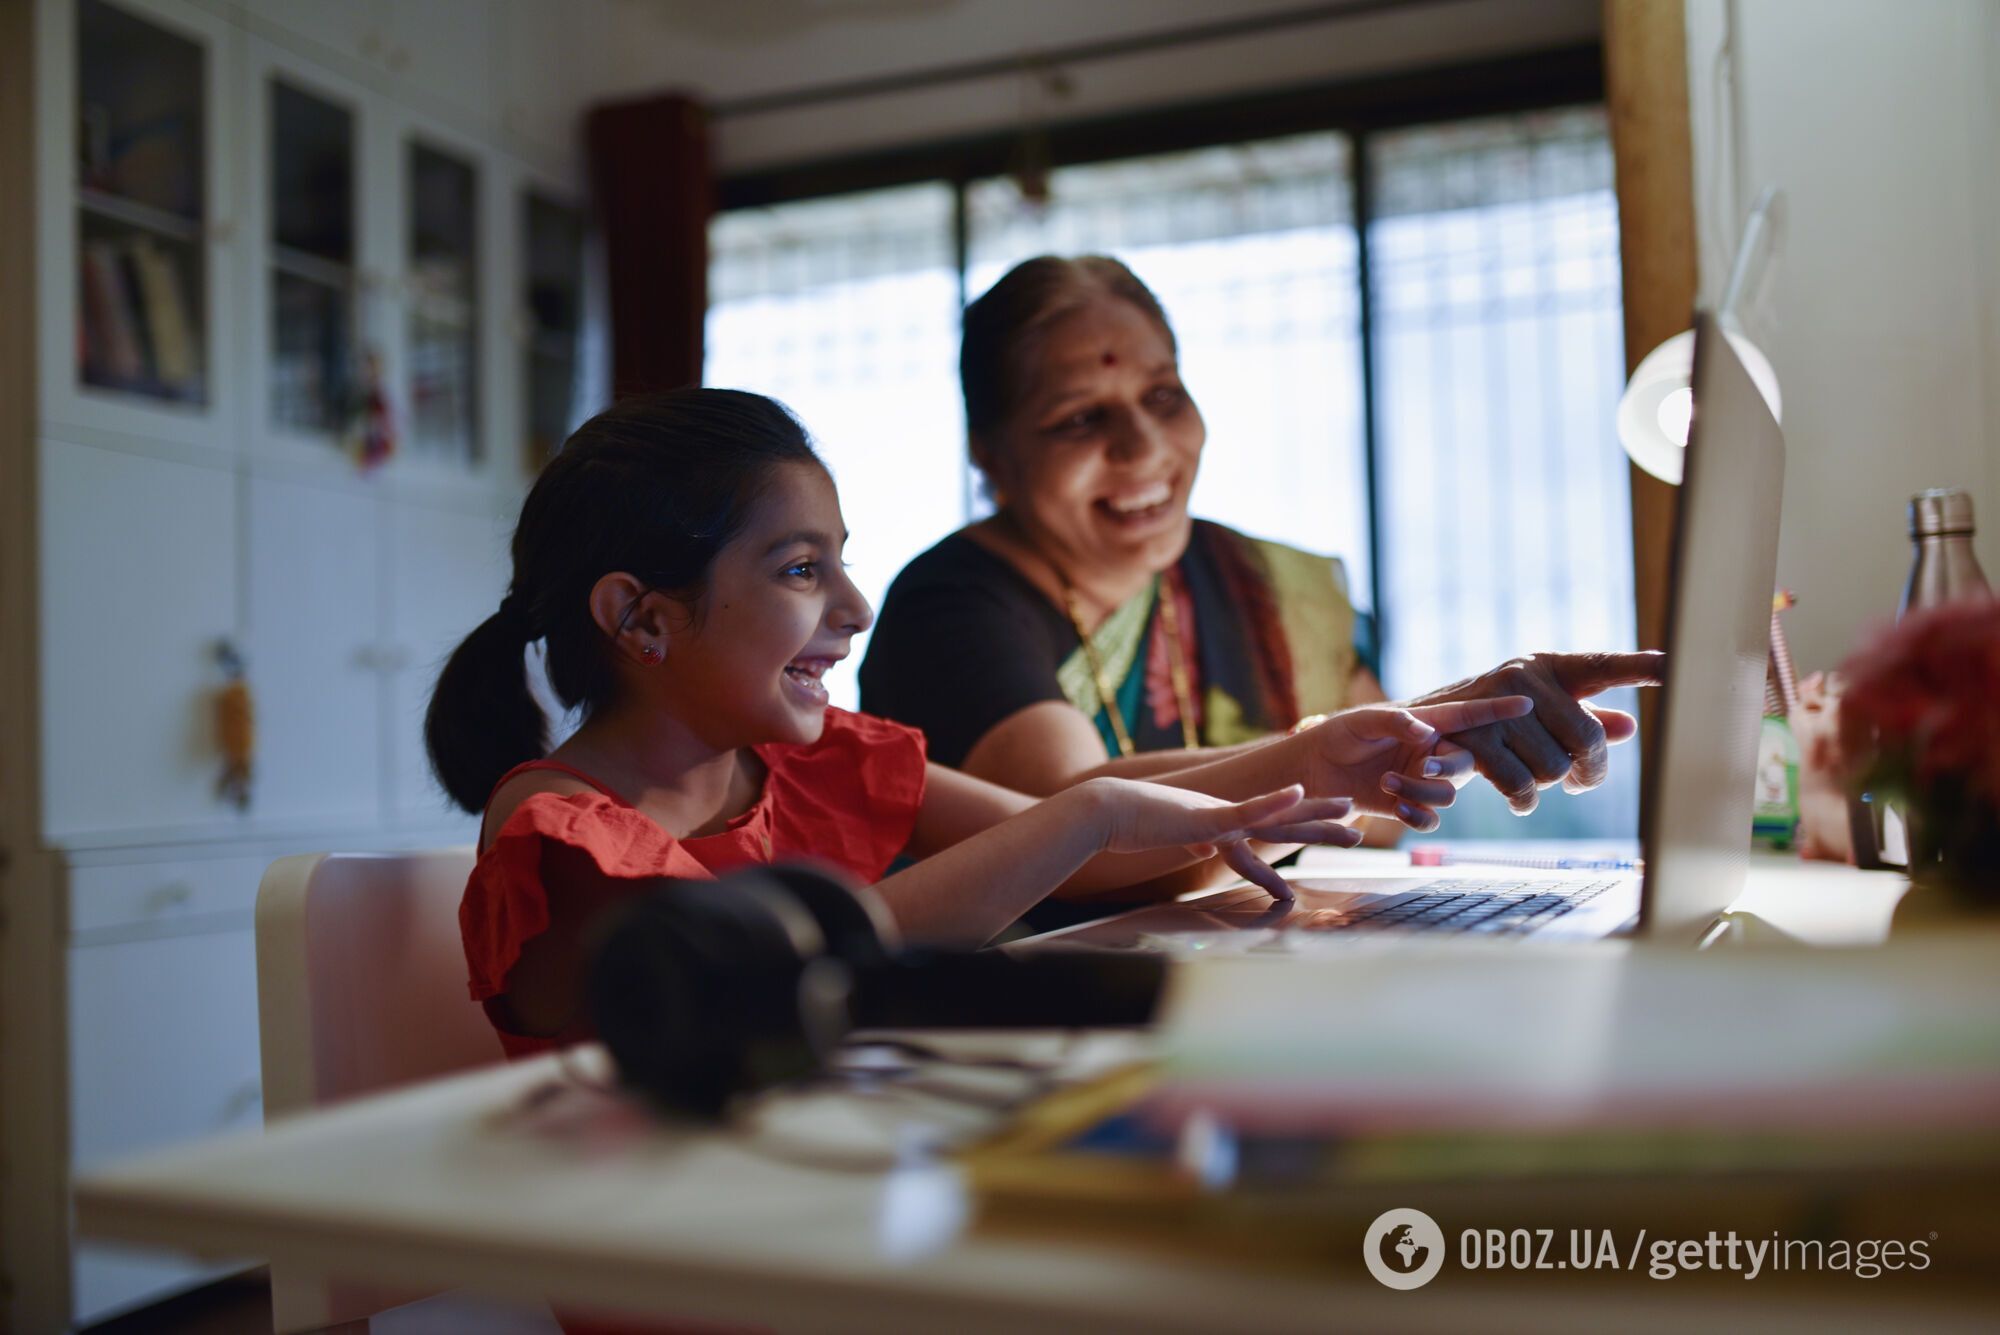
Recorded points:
(1774, 817)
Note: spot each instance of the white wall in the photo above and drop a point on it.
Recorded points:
(748, 48)
(1880, 118)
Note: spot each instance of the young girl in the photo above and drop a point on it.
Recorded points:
(681, 560)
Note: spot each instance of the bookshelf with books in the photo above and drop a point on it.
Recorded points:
(135, 278)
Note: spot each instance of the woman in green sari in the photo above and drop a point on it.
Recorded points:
(1091, 626)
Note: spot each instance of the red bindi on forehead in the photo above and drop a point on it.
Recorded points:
(1109, 359)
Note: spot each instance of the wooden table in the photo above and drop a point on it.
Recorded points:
(516, 1181)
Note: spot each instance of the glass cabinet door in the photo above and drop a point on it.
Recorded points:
(554, 309)
(312, 371)
(141, 234)
(442, 350)
(136, 269)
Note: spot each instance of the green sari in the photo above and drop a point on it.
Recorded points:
(1267, 633)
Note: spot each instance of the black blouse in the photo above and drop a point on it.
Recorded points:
(963, 642)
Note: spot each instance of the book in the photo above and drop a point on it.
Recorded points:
(175, 355)
(114, 355)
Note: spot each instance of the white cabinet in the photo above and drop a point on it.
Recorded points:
(162, 1036)
(150, 893)
(315, 590)
(433, 54)
(163, 1042)
(445, 249)
(548, 60)
(439, 55)
(315, 257)
(138, 585)
(233, 201)
(347, 30)
(451, 572)
(163, 1048)
(136, 163)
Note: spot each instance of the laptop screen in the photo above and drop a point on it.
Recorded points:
(1695, 821)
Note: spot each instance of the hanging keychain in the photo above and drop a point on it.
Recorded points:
(235, 728)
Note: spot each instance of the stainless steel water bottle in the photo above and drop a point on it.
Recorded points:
(1943, 567)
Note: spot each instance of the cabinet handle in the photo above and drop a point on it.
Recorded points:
(177, 895)
(382, 657)
(248, 1095)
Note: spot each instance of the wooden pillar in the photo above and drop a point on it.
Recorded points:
(1646, 93)
(34, 1188)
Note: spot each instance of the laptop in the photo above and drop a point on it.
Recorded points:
(1695, 818)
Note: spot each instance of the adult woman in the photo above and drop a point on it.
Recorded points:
(1092, 627)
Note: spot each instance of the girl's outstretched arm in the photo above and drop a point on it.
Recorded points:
(1389, 760)
(1394, 762)
(994, 853)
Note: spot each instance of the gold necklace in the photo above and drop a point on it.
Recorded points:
(1176, 665)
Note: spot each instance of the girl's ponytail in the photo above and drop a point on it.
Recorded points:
(483, 718)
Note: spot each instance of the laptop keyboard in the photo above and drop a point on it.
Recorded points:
(1483, 908)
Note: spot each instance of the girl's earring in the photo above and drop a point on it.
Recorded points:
(652, 654)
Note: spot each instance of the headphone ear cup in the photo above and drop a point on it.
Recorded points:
(694, 986)
(856, 924)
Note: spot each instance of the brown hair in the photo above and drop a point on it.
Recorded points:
(1004, 328)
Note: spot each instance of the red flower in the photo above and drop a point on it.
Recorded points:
(1924, 699)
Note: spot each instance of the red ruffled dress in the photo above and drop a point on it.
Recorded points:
(847, 801)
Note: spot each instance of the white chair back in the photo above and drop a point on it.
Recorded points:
(360, 988)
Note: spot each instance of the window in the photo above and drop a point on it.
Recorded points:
(846, 310)
(1503, 500)
(1499, 514)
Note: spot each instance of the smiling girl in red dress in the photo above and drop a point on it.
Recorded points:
(681, 561)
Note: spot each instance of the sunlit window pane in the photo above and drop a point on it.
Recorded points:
(1499, 360)
(846, 309)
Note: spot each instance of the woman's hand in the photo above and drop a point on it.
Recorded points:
(1138, 816)
(1565, 740)
(1397, 762)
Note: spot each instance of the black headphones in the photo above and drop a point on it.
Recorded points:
(704, 991)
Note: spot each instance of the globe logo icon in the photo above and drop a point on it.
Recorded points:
(1408, 1250)
(1404, 1249)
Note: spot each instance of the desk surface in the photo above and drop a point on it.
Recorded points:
(513, 1181)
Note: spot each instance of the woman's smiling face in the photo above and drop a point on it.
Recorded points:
(778, 611)
(1098, 457)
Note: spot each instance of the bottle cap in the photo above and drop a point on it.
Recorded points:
(1940, 510)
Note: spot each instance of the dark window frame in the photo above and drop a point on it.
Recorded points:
(1564, 76)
